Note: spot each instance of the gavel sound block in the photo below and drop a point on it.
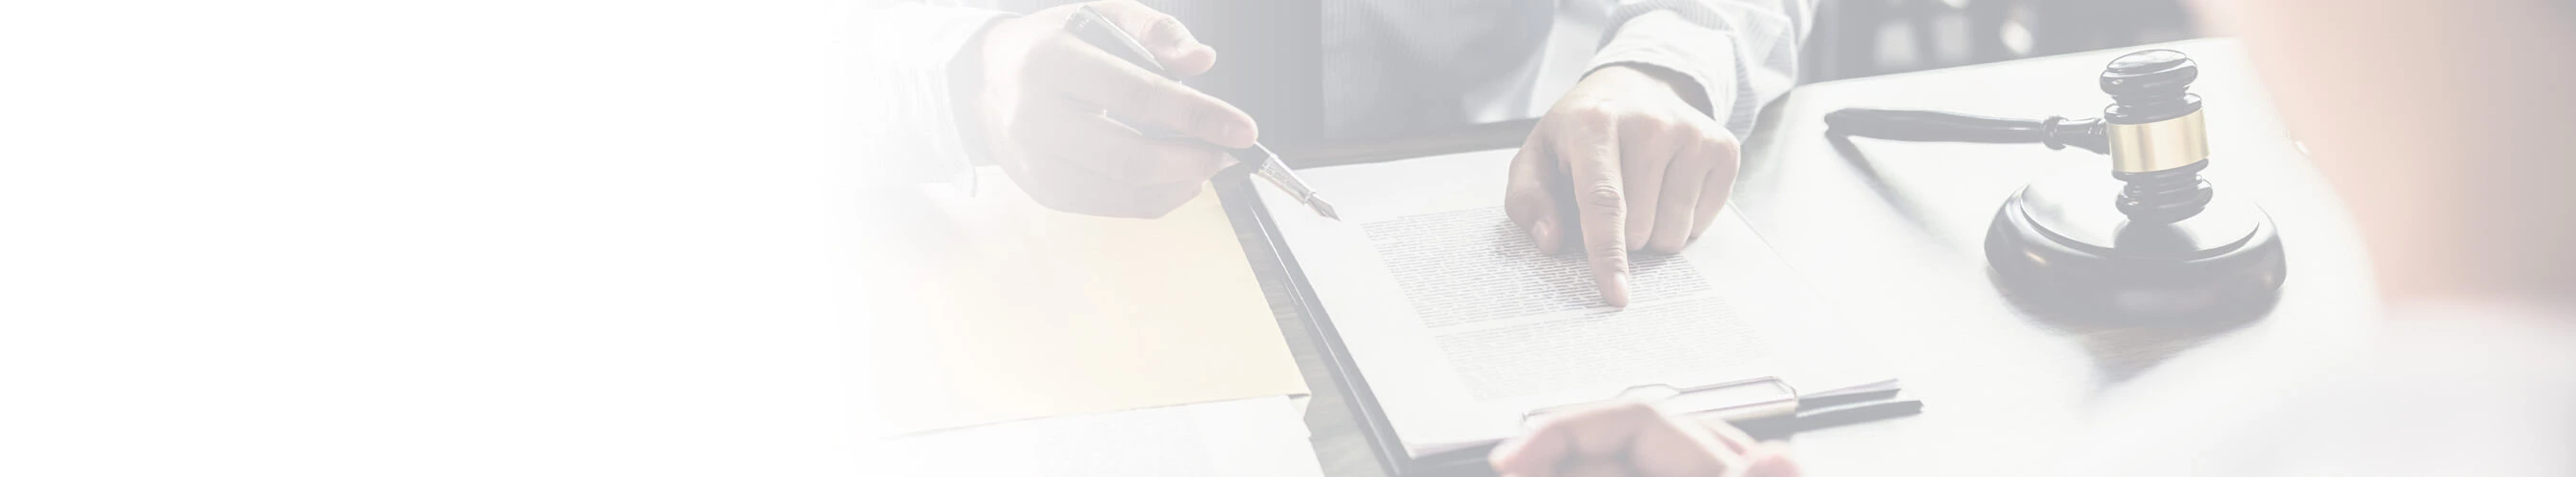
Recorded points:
(2152, 239)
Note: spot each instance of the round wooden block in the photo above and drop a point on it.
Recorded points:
(2063, 244)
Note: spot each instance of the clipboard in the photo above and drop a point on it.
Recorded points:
(1764, 406)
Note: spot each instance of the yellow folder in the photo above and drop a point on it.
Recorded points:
(990, 307)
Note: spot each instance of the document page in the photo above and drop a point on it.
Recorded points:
(1514, 322)
(1461, 327)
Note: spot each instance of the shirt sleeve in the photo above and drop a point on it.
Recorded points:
(1742, 53)
(908, 124)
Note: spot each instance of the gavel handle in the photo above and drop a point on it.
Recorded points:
(2057, 131)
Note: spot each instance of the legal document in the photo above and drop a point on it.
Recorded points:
(1461, 327)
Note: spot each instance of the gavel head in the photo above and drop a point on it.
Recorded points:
(2158, 141)
(2151, 82)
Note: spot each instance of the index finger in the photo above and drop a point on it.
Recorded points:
(1592, 151)
(1097, 79)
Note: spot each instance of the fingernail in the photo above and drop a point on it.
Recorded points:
(1539, 236)
(1618, 292)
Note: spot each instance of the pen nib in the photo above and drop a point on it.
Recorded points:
(1323, 209)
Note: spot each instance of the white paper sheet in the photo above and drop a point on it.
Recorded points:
(1460, 326)
(1258, 437)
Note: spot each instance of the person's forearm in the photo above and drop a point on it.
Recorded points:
(908, 123)
(1736, 54)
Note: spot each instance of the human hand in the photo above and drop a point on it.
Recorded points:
(1625, 162)
(1044, 98)
(1634, 439)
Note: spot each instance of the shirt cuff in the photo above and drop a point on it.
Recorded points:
(1664, 40)
(915, 46)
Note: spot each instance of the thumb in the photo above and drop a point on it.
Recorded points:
(1171, 43)
(1533, 198)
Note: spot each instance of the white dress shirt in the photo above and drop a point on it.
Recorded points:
(1391, 67)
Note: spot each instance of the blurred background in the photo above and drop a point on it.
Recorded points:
(1270, 63)
(1856, 38)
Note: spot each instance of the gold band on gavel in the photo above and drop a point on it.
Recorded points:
(2158, 145)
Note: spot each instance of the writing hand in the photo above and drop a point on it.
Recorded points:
(1045, 96)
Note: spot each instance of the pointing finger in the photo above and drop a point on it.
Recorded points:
(1600, 201)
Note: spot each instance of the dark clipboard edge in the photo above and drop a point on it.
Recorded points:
(1243, 204)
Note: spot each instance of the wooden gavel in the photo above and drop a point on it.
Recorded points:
(2169, 249)
(2153, 131)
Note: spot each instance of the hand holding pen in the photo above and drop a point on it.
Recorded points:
(1100, 31)
(1045, 100)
